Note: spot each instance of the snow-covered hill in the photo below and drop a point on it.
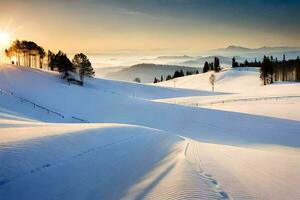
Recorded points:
(138, 148)
(228, 80)
(244, 93)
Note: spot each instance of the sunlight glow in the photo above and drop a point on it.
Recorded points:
(4, 39)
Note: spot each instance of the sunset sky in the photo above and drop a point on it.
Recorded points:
(112, 25)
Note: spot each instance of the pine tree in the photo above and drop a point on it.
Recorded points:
(83, 66)
(181, 73)
(217, 67)
(51, 62)
(234, 62)
(169, 77)
(63, 64)
(266, 71)
(205, 67)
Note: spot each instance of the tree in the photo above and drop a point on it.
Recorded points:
(176, 74)
(155, 80)
(51, 60)
(181, 73)
(61, 62)
(30, 51)
(42, 55)
(217, 67)
(234, 62)
(266, 71)
(137, 80)
(169, 77)
(83, 66)
(205, 67)
(212, 79)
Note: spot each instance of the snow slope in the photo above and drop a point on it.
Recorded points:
(137, 148)
(95, 162)
(245, 93)
(262, 172)
(228, 80)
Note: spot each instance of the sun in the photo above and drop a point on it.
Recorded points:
(4, 39)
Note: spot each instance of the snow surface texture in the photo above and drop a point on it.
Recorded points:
(137, 148)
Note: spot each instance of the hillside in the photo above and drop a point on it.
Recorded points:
(246, 93)
(135, 147)
(146, 72)
(228, 80)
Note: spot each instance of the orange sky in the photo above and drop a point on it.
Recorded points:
(101, 26)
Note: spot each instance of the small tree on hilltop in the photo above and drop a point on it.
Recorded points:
(205, 67)
(63, 64)
(212, 80)
(234, 62)
(217, 66)
(169, 77)
(137, 80)
(83, 66)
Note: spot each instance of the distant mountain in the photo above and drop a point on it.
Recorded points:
(290, 52)
(277, 49)
(234, 49)
(199, 61)
(174, 57)
(244, 49)
(147, 71)
(101, 72)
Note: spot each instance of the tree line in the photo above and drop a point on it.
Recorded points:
(27, 53)
(208, 66)
(246, 63)
(212, 66)
(30, 54)
(177, 74)
(273, 70)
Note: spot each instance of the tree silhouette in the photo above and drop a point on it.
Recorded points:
(234, 62)
(83, 66)
(205, 67)
(266, 71)
(51, 60)
(29, 50)
(137, 80)
(217, 66)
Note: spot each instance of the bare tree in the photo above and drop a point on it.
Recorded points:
(212, 80)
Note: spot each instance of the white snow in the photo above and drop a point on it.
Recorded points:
(138, 146)
(245, 93)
